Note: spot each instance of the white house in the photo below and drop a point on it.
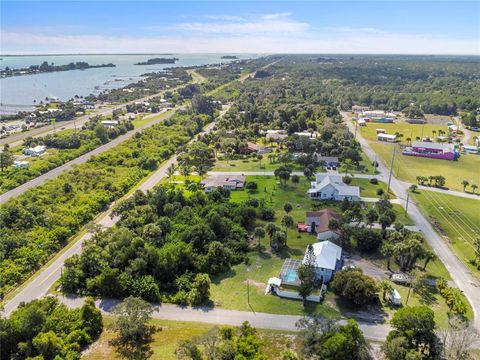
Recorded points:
(229, 182)
(110, 123)
(328, 258)
(20, 164)
(332, 187)
(387, 137)
(38, 150)
(317, 222)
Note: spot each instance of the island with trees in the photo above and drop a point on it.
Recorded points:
(45, 67)
(231, 57)
(156, 61)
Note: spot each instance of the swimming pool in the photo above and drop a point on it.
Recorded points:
(290, 276)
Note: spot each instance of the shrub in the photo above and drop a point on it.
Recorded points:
(380, 192)
(374, 181)
(353, 285)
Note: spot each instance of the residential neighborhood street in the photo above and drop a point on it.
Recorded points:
(460, 274)
(372, 331)
(79, 160)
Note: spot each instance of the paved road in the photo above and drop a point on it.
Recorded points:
(16, 140)
(372, 331)
(451, 192)
(460, 274)
(79, 160)
(271, 173)
(46, 278)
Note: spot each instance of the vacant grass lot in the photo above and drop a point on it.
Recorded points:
(367, 189)
(411, 131)
(456, 218)
(166, 341)
(407, 168)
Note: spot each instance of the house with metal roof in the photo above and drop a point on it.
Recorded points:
(332, 187)
(328, 259)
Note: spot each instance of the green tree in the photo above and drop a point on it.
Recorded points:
(465, 183)
(353, 285)
(91, 318)
(6, 158)
(287, 207)
(306, 275)
(416, 325)
(259, 234)
(386, 287)
(133, 334)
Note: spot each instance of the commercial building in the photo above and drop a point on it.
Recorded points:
(432, 150)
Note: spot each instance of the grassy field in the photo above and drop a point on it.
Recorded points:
(409, 167)
(367, 189)
(456, 219)
(231, 290)
(252, 164)
(411, 131)
(166, 341)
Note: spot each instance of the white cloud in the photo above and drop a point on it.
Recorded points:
(276, 15)
(253, 39)
(268, 23)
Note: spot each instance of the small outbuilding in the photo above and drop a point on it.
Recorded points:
(395, 297)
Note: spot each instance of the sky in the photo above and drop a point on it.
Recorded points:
(377, 27)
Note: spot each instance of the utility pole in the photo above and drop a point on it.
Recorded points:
(375, 164)
(391, 169)
(248, 292)
(406, 206)
(356, 125)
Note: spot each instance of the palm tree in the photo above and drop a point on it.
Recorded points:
(465, 183)
(287, 221)
(429, 256)
(259, 233)
(385, 287)
(474, 187)
(170, 172)
(409, 141)
(185, 170)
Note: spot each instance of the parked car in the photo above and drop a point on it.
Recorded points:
(401, 278)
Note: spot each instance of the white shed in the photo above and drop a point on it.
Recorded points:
(395, 297)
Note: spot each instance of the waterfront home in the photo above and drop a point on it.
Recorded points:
(332, 187)
(229, 182)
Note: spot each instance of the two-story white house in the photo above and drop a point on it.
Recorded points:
(328, 259)
(332, 187)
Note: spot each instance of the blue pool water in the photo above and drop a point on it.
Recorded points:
(290, 276)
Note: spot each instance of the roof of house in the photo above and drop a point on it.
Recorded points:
(387, 136)
(337, 182)
(252, 146)
(328, 159)
(276, 136)
(432, 145)
(325, 217)
(326, 254)
(223, 180)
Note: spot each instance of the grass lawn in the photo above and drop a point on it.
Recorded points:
(411, 131)
(457, 219)
(367, 189)
(409, 167)
(166, 341)
(252, 164)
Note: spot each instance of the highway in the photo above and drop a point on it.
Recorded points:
(460, 274)
(17, 140)
(39, 180)
(39, 286)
